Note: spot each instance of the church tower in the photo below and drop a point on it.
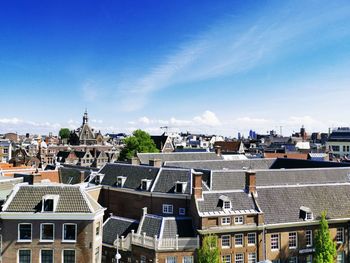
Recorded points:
(85, 117)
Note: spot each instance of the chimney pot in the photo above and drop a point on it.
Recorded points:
(155, 162)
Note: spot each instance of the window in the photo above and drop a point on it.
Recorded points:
(340, 235)
(340, 257)
(226, 259)
(48, 205)
(227, 205)
(142, 259)
(309, 216)
(120, 181)
(145, 184)
(239, 258)
(225, 220)
(348, 148)
(46, 256)
(68, 256)
(24, 256)
(69, 232)
(251, 239)
(238, 240)
(344, 148)
(336, 148)
(180, 187)
(46, 232)
(275, 243)
(309, 259)
(187, 259)
(293, 260)
(239, 220)
(98, 226)
(167, 209)
(293, 240)
(170, 259)
(225, 241)
(182, 211)
(251, 257)
(308, 237)
(25, 232)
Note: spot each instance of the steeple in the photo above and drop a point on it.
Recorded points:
(85, 118)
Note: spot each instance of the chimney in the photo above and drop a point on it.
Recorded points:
(134, 161)
(218, 150)
(250, 182)
(197, 184)
(82, 176)
(155, 162)
(144, 211)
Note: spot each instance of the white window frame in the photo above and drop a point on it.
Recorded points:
(251, 234)
(19, 234)
(342, 235)
(308, 233)
(240, 260)
(239, 237)
(225, 238)
(182, 211)
(226, 259)
(309, 216)
(171, 259)
(239, 220)
(187, 258)
(292, 237)
(274, 237)
(31, 254)
(252, 257)
(226, 205)
(225, 221)
(41, 233)
(76, 233)
(166, 209)
(53, 254)
(75, 254)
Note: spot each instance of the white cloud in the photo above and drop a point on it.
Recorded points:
(207, 118)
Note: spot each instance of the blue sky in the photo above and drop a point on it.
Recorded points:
(194, 66)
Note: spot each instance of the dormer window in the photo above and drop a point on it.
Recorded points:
(145, 184)
(225, 202)
(227, 205)
(120, 181)
(306, 213)
(180, 187)
(49, 203)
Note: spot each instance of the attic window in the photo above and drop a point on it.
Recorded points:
(225, 202)
(145, 184)
(49, 203)
(180, 187)
(306, 213)
(120, 181)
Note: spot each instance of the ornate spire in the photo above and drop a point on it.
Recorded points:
(85, 118)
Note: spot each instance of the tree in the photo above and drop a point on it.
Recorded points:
(209, 252)
(325, 250)
(139, 142)
(64, 133)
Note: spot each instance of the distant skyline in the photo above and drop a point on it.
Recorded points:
(195, 66)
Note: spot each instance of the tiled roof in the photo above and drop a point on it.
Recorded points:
(239, 200)
(178, 156)
(28, 198)
(167, 178)
(224, 165)
(282, 204)
(288, 163)
(228, 146)
(117, 226)
(133, 173)
(151, 225)
(71, 175)
(177, 226)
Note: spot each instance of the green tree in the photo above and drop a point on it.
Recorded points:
(139, 142)
(64, 133)
(209, 252)
(325, 250)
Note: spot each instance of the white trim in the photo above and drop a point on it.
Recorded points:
(41, 233)
(53, 254)
(18, 233)
(309, 230)
(156, 179)
(168, 205)
(229, 240)
(251, 244)
(10, 198)
(226, 224)
(240, 220)
(75, 254)
(76, 233)
(31, 254)
(296, 240)
(242, 238)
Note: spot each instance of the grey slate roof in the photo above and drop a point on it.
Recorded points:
(28, 198)
(133, 173)
(69, 175)
(117, 226)
(239, 200)
(177, 226)
(151, 225)
(282, 204)
(224, 164)
(178, 156)
(230, 180)
(168, 177)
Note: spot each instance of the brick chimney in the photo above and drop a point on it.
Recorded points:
(82, 176)
(134, 161)
(197, 184)
(250, 182)
(218, 150)
(155, 162)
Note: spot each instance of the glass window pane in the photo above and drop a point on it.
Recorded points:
(69, 256)
(24, 256)
(46, 256)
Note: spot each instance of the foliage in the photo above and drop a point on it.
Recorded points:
(139, 142)
(209, 252)
(325, 250)
(64, 133)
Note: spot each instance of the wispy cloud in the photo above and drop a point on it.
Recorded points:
(229, 48)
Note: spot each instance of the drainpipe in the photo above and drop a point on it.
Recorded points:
(264, 242)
